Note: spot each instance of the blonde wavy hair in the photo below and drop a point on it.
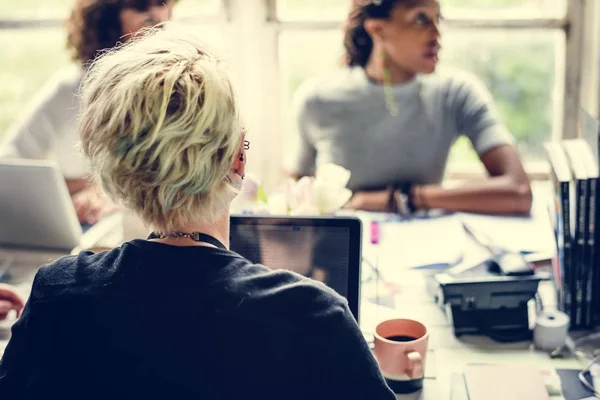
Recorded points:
(160, 126)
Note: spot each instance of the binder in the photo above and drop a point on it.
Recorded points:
(585, 171)
(580, 186)
(590, 255)
(590, 132)
(561, 179)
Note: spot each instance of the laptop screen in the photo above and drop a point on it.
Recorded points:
(325, 249)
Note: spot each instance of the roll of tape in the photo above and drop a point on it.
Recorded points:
(551, 329)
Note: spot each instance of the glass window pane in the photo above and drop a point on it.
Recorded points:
(518, 68)
(504, 8)
(188, 9)
(29, 58)
(301, 10)
(60, 9)
(38, 9)
(304, 54)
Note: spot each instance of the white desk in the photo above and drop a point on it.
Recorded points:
(446, 353)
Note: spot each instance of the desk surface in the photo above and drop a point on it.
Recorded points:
(446, 355)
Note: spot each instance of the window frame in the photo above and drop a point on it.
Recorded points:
(256, 21)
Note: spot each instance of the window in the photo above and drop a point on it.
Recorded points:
(499, 41)
(29, 57)
(34, 9)
(334, 10)
(196, 10)
(33, 45)
(518, 48)
(519, 68)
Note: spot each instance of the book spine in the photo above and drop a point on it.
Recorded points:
(596, 262)
(588, 271)
(565, 244)
(578, 252)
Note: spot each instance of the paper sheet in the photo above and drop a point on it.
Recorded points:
(441, 242)
(435, 243)
(532, 234)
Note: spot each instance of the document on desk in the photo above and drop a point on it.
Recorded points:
(430, 243)
(533, 234)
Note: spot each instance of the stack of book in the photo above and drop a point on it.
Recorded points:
(575, 172)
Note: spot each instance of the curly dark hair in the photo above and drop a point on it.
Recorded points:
(357, 41)
(95, 25)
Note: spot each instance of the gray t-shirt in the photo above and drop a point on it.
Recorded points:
(343, 119)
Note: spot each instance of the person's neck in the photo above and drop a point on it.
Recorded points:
(375, 71)
(219, 230)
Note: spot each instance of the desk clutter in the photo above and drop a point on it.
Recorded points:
(489, 382)
(479, 272)
(575, 172)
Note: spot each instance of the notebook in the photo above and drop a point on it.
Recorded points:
(503, 382)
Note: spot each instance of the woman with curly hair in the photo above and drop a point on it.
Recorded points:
(48, 127)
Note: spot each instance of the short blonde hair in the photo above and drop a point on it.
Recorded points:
(160, 126)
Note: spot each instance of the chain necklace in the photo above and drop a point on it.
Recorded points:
(195, 236)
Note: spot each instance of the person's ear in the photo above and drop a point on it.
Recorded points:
(238, 166)
(374, 28)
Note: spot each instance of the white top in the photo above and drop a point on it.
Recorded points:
(48, 127)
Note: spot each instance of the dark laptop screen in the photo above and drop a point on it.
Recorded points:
(314, 248)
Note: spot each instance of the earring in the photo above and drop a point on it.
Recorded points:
(242, 157)
(235, 171)
(390, 102)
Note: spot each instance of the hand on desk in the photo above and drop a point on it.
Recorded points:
(368, 201)
(91, 205)
(9, 300)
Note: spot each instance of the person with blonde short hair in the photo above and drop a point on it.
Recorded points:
(177, 316)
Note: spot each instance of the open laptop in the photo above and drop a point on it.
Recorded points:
(36, 209)
(327, 249)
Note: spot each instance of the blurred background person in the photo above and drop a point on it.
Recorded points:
(48, 128)
(391, 121)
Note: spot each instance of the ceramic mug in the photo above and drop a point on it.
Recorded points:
(400, 347)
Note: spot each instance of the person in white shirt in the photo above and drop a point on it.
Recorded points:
(47, 129)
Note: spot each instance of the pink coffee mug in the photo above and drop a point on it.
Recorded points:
(400, 350)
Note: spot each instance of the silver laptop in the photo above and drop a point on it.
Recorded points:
(36, 209)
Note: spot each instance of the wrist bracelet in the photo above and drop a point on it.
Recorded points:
(410, 194)
(392, 205)
(401, 203)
